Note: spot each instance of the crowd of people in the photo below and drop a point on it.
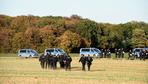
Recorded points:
(50, 61)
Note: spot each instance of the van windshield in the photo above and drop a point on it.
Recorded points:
(137, 50)
(96, 50)
(22, 51)
(85, 50)
(60, 50)
(50, 50)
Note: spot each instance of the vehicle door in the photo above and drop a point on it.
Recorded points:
(23, 53)
(92, 52)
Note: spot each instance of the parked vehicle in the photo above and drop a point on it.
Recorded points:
(136, 52)
(94, 52)
(54, 51)
(27, 53)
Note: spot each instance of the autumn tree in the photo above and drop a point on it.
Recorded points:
(69, 40)
(33, 37)
(48, 39)
(19, 41)
(138, 38)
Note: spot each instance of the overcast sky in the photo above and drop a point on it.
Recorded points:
(112, 11)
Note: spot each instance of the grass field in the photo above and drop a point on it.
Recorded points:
(15, 70)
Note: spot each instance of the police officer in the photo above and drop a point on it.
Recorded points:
(105, 53)
(102, 53)
(61, 61)
(142, 55)
(130, 54)
(122, 53)
(116, 53)
(83, 61)
(42, 61)
(146, 55)
(68, 62)
(46, 60)
(108, 53)
(89, 61)
(56, 60)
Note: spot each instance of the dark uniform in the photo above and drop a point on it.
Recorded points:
(42, 61)
(67, 62)
(105, 53)
(122, 53)
(61, 61)
(56, 60)
(89, 62)
(130, 55)
(53, 62)
(108, 53)
(116, 53)
(102, 53)
(142, 54)
(146, 55)
(83, 61)
(46, 60)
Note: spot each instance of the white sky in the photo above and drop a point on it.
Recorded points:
(112, 11)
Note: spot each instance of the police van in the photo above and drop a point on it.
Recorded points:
(27, 53)
(54, 51)
(137, 51)
(94, 52)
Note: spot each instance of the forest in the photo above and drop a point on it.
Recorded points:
(69, 33)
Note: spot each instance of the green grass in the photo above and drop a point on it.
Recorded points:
(15, 70)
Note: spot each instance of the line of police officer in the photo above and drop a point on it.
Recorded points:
(50, 61)
(119, 53)
(105, 53)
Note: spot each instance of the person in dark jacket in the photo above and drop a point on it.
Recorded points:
(61, 61)
(67, 62)
(42, 61)
(89, 60)
(130, 55)
(83, 61)
(116, 53)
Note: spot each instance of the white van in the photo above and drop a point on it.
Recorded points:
(27, 53)
(54, 51)
(94, 52)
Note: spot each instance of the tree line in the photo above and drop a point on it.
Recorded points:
(69, 33)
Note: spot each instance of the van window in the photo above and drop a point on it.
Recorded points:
(61, 51)
(137, 50)
(32, 51)
(56, 51)
(85, 50)
(92, 50)
(22, 51)
(96, 50)
(50, 50)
